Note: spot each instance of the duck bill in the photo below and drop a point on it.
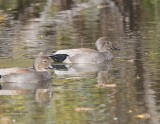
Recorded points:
(115, 48)
(50, 67)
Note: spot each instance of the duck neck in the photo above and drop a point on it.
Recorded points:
(39, 68)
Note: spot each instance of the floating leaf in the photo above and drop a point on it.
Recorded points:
(130, 111)
(143, 116)
(9, 9)
(146, 53)
(115, 118)
(40, 37)
(80, 109)
(128, 60)
(106, 85)
(1, 18)
(137, 77)
(131, 60)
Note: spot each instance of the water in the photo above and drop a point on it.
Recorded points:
(125, 91)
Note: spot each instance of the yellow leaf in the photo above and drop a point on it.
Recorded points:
(1, 18)
(143, 116)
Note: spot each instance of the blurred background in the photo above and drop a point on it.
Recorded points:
(125, 91)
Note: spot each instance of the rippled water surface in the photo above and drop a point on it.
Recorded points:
(124, 91)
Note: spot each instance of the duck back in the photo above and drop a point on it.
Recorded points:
(93, 58)
(30, 76)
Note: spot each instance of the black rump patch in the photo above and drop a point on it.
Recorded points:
(59, 57)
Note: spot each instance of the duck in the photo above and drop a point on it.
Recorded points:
(86, 55)
(28, 75)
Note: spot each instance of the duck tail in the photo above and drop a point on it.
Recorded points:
(59, 57)
(1, 80)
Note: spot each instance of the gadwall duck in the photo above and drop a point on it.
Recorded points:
(28, 75)
(86, 55)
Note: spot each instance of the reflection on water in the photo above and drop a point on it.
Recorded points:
(125, 91)
(80, 70)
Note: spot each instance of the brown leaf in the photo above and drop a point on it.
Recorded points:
(106, 85)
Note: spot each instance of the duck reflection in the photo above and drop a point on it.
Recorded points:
(23, 81)
(41, 90)
(71, 71)
(43, 96)
(26, 86)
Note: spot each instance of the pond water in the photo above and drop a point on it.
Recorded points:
(124, 91)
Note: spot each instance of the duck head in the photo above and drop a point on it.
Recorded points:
(103, 44)
(41, 63)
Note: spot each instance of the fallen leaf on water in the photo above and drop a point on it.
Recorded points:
(81, 109)
(1, 18)
(115, 118)
(143, 116)
(131, 60)
(128, 60)
(130, 111)
(9, 9)
(40, 37)
(106, 85)
(41, 90)
(137, 77)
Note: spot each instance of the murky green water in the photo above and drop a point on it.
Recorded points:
(125, 91)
